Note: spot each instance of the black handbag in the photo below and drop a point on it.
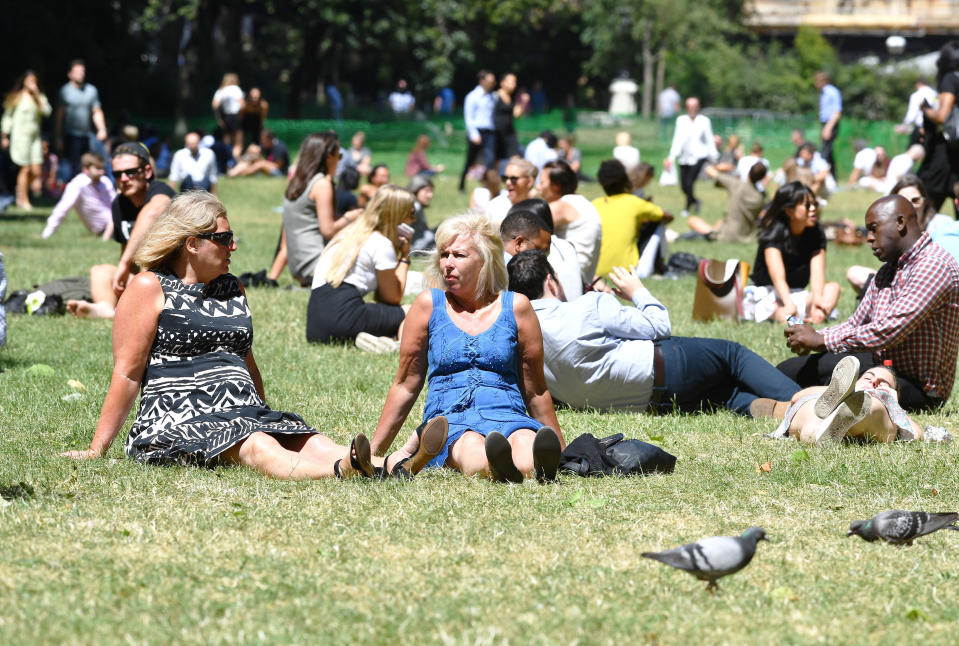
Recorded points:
(614, 455)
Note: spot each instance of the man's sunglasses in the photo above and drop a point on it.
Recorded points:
(511, 178)
(222, 238)
(128, 172)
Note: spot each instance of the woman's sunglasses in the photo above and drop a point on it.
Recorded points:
(222, 238)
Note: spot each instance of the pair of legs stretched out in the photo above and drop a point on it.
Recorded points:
(522, 454)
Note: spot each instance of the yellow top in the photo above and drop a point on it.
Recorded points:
(622, 215)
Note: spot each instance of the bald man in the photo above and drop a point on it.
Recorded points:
(909, 314)
(193, 167)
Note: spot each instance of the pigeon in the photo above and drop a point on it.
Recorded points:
(901, 527)
(714, 557)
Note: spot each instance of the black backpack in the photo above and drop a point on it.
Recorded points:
(588, 456)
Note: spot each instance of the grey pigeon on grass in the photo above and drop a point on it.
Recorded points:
(901, 527)
(712, 558)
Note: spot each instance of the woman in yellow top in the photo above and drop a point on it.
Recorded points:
(23, 109)
(623, 215)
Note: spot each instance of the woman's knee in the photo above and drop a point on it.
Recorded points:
(256, 447)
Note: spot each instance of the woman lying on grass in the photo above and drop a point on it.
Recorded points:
(481, 349)
(866, 408)
(183, 335)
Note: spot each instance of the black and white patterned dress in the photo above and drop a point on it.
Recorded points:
(197, 398)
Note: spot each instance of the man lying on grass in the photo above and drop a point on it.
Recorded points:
(602, 354)
(909, 314)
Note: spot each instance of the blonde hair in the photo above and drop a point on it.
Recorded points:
(476, 226)
(187, 215)
(390, 206)
(527, 168)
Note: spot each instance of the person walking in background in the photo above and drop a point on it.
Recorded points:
(79, 107)
(505, 110)
(693, 145)
(23, 110)
(667, 104)
(940, 167)
(227, 103)
(478, 116)
(252, 117)
(912, 122)
(194, 167)
(830, 111)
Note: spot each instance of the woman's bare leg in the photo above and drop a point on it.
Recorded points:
(857, 276)
(876, 425)
(830, 297)
(699, 225)
(267, 455)
(23, 183)
(522, 443)
(468, 455)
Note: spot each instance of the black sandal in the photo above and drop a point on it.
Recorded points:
(359, 458)
(432, 436)
(499, 454)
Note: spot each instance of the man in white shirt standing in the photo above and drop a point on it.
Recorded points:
(693, 145)
(912, 122)
(478, 116)
(194, 167)
(604, 355)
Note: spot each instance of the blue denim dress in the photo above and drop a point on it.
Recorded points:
(472, 380)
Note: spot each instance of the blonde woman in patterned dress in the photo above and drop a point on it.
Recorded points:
(183, 337)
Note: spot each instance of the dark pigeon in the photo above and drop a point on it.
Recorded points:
(901, 527)
(710, 559)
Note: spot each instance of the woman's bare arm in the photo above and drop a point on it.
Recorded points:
(410, 376)
(532, 380)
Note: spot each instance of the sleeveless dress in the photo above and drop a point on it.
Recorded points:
(472, 380)
(197, 398)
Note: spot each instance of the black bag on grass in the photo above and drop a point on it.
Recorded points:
(588, 456)
(682, 262)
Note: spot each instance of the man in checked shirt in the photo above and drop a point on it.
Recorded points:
(909, 314)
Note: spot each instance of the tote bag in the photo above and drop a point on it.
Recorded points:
(719, 290)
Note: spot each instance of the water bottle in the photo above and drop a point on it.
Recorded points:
(793, 320)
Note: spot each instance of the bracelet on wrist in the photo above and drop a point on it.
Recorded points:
(405, 261)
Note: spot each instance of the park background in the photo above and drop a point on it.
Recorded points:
(112, 551)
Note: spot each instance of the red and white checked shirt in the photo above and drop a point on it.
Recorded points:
(909, 314)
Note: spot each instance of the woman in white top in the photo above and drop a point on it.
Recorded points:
(575, 218)
(227, 103)
(369, 255)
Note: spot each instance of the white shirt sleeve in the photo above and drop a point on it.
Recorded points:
(648, 321)
(67, 201)
(177, 171)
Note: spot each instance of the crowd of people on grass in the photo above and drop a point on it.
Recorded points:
(521, 304)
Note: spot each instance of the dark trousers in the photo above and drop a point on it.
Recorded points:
(816, 369)
(687, 178)
(340, 313)
(827, 149)
(74, 146)
(716, 373)
(190, 184)
(486, 147)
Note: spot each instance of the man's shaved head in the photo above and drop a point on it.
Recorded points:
(892, 227)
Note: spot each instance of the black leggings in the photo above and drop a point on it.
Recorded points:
(340, 313)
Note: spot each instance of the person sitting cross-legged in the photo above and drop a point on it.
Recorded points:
(604, 355)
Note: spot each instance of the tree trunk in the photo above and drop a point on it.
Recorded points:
(660, 71)
(649, 64)
(195, 44)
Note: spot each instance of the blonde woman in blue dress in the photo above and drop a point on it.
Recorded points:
(480, 349)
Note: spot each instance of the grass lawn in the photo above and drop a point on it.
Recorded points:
(109, 551)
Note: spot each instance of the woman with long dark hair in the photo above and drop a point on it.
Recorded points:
(792, 256)
(23, 109)
(940, 166)
(309, 205)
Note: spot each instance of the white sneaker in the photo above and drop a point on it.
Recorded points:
(841, 383)
(376, 344)
(851, 410)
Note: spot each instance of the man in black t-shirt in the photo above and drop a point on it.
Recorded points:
(140, 200)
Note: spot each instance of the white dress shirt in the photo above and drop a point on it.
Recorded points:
(598, 352)
(539, 153)
(478, 111)
(693, 140)
(200, 168)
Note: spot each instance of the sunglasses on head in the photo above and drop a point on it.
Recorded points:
(128, 172)
(222, 238)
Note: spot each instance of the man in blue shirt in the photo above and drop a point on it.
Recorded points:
(830, 111)
(478, 115)
(604, 355)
